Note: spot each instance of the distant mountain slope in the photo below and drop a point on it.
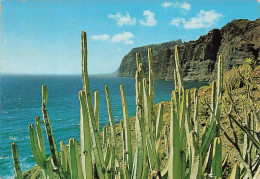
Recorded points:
(237, 40)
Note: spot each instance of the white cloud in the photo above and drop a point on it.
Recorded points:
(126, 37)
(203, 19)
(167, 4)
(149, 18)
(101, 37)
(184, 6)
(176, 21)
(122, 20)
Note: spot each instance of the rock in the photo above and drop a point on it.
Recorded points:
(238, 40)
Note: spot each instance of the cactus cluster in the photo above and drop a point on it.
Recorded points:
(192, 153)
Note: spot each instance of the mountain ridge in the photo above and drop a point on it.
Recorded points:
(237, 40)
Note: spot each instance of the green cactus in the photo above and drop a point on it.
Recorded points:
(39, 157)
(65, 159)
(17, 168)
(235, 174)
(48, 129)
(76, 168)
(128, 145)
(217, 158)
(96, 107)
(96, 145)
(86, 150)
(159, 121)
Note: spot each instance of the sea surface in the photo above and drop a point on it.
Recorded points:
(20, 102)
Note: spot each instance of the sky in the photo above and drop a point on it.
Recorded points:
(43, 37)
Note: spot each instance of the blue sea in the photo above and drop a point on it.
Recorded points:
(20, 102)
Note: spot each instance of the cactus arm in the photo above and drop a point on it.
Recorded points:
(65, 161)
(107, 155)
(128, 144)
(96, 146)
(195, 162)
(151, 76)
(154, 163)
(209, 137)
(151, 86)
(139, 154)
(111, 164)
(76, 169)
(48, 129)
(196, 112)
(17, 168)
(49, 170)
(235, 174)
(124, 172)
(111, 119)
(159, 121)
(178, 68)
(216, 158)
(37, 154)
(85, 138)
(174, 170)
(175, 80)
(40, 135)
(105, 135)
(96, 108)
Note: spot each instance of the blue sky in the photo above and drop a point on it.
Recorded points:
(43, 37)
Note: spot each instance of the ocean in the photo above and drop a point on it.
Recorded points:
(20, 102)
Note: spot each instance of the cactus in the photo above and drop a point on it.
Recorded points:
(128, 145)
(96, 107)
(86, 151)
(216, 158)
(76, 168)
(65, 159)
(17, 168)
(39, 157)
(96, 145)
(235, 174)
(48, 129)
(190, 155)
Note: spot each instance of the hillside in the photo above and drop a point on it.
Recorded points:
(237, 40)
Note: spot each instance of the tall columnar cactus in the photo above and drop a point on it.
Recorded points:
(85, 138)
(217, 158)
(113, 133)
(128, 144)
(65, 159)
(76, 168)
(198, 152)
(48, 129)
(37, 143)
(17, 168)
(96, 107)
(96, 145)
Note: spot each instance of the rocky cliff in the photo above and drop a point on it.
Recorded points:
(237, 40)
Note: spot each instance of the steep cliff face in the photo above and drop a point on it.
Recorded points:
(237, 40)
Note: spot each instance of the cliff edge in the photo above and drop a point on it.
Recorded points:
(237, 40)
